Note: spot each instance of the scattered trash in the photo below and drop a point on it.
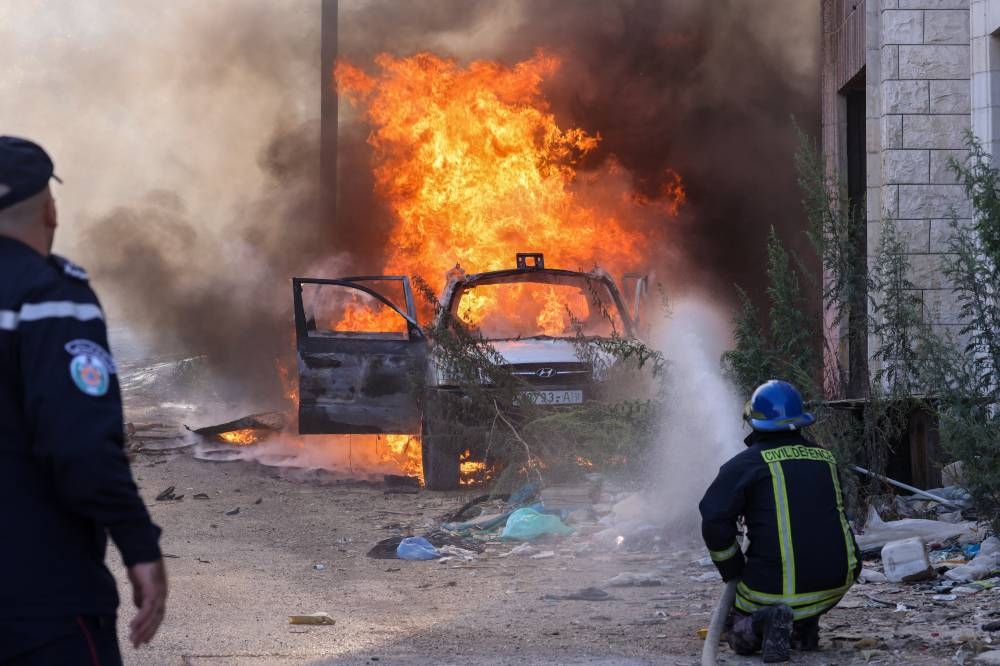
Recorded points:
(234, 512)
(449, 552)
(878, 532)
(570, 497)
(258, 500)
(319, 567)
(524, 550)
(944, 597)
(201, 496)
(627, 579)
(168, 495)
(871, 576)
(544, 555)
(973, 588)
(704, 562)
(985, 562)
(416, 548)
(258, 425)
(312, 618)
(527, 524)
(906, 561)
(385, 549)
(486, 521)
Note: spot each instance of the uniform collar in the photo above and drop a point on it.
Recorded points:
(767, 440)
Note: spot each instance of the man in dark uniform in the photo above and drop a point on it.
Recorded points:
(802, 556)
(65, 483)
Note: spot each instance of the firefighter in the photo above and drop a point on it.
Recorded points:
(802, 556)
(65, 482)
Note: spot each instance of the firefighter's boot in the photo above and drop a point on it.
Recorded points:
(774, 625)
(805, 634)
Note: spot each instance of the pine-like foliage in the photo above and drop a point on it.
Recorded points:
(790, 328)
(749, 362)
(968, 373)
(897, 322)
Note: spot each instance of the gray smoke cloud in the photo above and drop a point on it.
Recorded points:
(187, 135)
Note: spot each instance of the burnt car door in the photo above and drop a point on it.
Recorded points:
(361, 355)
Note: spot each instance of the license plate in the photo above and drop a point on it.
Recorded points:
(554, 397)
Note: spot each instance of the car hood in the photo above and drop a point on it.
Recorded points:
(537, 350)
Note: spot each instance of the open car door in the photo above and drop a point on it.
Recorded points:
(361, 355)
(635, 290)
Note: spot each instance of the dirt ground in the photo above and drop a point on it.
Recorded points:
(236, 577)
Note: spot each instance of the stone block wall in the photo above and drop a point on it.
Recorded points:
(920, 107)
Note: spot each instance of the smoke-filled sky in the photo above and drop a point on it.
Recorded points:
(187, 135)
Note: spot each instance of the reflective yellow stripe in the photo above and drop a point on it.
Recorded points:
(848, 538)
(799, 613)
(789, 600)
(723, 555)
(784, 529)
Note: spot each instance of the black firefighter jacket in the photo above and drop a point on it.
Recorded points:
(802, 552)
(65, 482)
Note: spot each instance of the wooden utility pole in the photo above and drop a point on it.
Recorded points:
(328, 111)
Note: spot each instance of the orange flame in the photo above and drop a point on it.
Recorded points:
(244, 437)
(475, 168)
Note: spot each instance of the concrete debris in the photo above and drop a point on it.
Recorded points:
(991, 657)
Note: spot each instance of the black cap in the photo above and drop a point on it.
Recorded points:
(25, 170)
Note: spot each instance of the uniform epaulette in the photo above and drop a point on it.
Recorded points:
(74, 271)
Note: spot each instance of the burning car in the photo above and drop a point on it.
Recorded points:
(366, 365)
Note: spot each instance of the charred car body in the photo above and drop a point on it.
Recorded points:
(366, 365)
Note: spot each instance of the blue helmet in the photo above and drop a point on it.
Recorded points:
(775, 406)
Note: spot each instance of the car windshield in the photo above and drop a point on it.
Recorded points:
(524, 306)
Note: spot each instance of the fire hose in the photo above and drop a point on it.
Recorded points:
(710, 650)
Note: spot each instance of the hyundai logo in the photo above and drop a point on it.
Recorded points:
(545, 373)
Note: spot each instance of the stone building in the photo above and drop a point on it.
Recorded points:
(902, 82)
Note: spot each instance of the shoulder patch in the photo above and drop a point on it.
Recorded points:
(81, 347)
(70, 269)
(90, 375)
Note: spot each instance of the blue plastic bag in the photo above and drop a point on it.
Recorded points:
(528, 524)
(416, 548)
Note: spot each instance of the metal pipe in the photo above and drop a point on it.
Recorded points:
(900, 484)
